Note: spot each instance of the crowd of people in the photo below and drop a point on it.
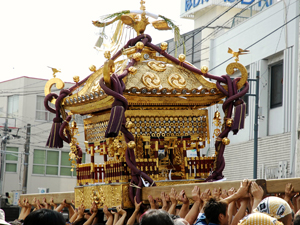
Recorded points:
(246, 206)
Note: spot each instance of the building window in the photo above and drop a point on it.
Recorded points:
(276, 85)
(66, 165)
(246, 100)
(41, 112)
(51, 162)
(79, 119)
(12, 106)
(11, 159)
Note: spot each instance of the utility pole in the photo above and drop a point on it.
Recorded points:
(255, 149)
(26, 152)
(3, 155)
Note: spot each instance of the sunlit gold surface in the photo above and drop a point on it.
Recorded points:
(176, 81)
(151, 80)
(137, 56)
(108, 69)
(164, 46)
(139, 45)
(226, 141)
(157, 66)
(181, 57)
(76, 79)
(93, 68)
(132, 70)
(230, 69)
(59, 85)
(204, 69)
(131, 144)
(161, 25)
(238, 53)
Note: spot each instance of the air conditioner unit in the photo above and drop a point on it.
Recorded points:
(43, 190)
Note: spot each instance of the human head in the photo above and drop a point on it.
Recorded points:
(297, 219)
(216, 212)
(277, 208)
(181, 221)
(2, 218)
(45, 217)
(157, 217)
(259, 219)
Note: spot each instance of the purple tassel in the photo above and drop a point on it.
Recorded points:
(54, 140)
(239, 118)
(115, 121)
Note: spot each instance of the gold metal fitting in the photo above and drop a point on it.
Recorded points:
(129, 125)
(137, 56)
(225, 141)
(107, 54)
(132, 70)
(181, 57)
(164, 46)
(217, 115)
(229, 122)
(131, 144)
(204, 69)
(76, 79)
(139, 45)
(92, 68)
(74, 124)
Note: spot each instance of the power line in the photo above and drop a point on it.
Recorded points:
(259, 40)
(209, 23)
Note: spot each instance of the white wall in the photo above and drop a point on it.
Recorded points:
(29, 88)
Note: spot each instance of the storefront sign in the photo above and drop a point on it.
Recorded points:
(189, 4)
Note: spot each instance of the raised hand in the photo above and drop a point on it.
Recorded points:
(256, 191)
(224, 194)
(205, 195)
(173, 195)
(216, 193)
(243, 191)
(183, 198)
(196, 194)
(231, 191)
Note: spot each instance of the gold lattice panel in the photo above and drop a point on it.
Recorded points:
(95, 127)
(168, 123)
(155, 123)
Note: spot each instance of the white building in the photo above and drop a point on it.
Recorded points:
(272, 36)
(22, 103)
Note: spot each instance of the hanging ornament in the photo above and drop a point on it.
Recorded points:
(217, 122)
(73, 148)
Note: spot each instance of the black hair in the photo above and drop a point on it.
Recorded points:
(80, 221)
(157, 217)
(45, 217)
(297, 220)
(212, 210)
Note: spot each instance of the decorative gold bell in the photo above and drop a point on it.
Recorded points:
(131, 144)
(229, 122)
(225, 141)
(217, 119)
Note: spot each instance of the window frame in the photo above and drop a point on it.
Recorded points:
(12, 114)
(12, 161)
(277, 105)
(59, 165)
(42, 111)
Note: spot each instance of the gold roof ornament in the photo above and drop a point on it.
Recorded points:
(238, 53)
(55, 71)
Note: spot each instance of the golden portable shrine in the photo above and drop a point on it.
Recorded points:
(147, 116)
